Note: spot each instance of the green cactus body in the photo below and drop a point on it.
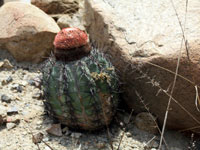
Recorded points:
(83, 93)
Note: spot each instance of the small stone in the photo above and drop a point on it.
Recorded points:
(76, 135)
(9, 79)
(39, 122)
(5, 98)
(37, 95)
(3, 82)
(46, 139)
(23, 83)
(128, 134)
(10, 125)
(6, 64)
(31, 82)
(16, 87)
(13, 110)
(55, 130)
(37, 138)
(35, 82)
(47, 148)
(6, 81)
(154, 144)
(100, 145)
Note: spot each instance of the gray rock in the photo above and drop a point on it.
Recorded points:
(35, 82)
(5, 98)
(12, 110)
(9, 79)
(17, 88)
(76, 135)
(10, 125)
(6, 81)
(31, 82)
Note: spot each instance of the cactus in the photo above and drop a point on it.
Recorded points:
(83, 92)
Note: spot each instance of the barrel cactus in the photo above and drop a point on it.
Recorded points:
(80, 84)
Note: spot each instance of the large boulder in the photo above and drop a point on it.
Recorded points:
(144, 41)
(57, 6)
(26, 31)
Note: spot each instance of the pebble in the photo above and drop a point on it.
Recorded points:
(12, 110)
(39, 122)
(23, 83)
(6, 81)
(35, 82)
(128, 134)
(6, 64)
(31, 82)
(47, 148)
(55, 130)
(5, 98)
(37, 138)
(46, 139)
(76, 135)
(16, 87)
(100, 145)
(9, 79)
(154, 144)
(37, 95)
(10, 125)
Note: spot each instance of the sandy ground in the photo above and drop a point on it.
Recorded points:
(33, 120)
(26, 117)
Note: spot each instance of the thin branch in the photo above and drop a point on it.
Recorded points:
(129, 118)
(177, 68)
(142, 101)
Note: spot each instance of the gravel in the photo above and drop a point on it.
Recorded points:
(33, 120)
(23, 86)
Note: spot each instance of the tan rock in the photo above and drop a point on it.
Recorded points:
(148, 35)
(68, 21)
(5, 64)
(57, 6)
(26, 31)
